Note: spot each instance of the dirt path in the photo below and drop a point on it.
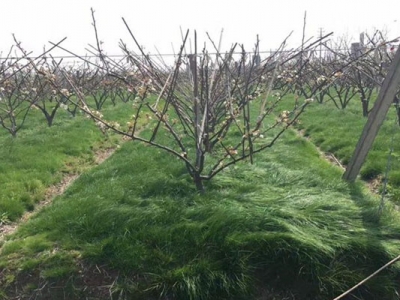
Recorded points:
(52, 192)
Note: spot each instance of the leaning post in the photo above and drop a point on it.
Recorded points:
(375, 119)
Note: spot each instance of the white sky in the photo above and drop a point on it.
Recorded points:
(157, 22)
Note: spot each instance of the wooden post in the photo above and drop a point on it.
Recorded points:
(375, 119)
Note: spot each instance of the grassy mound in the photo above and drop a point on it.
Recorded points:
(286, 227)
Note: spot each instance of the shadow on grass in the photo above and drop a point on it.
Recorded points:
(375, 254)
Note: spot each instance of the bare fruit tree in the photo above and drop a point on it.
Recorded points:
(209, 110)
(19, 87)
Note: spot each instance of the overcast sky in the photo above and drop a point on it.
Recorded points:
(157, 22)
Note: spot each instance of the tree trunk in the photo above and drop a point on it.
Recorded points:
(365, 107)
(198, 181)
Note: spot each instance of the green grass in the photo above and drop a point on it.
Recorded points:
(337, 131)
(287, 225)
(40, 155)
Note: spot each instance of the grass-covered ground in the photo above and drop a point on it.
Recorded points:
(337, 131)
(40, 156)
(286, 227)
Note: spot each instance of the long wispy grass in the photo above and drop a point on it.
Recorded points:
(284, 226)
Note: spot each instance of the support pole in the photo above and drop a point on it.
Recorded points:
(379, 111)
